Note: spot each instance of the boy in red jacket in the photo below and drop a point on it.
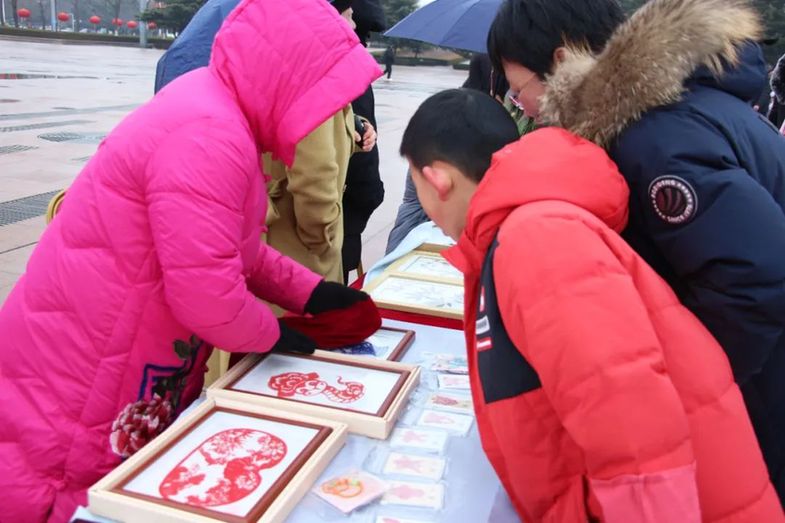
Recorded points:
(598, 396)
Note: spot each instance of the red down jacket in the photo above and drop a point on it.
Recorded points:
(598, 396)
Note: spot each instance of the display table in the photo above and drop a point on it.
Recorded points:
(473, 493)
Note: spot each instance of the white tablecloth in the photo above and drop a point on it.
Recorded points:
(473, 492)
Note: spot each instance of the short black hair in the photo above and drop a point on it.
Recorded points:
(529, 31)
(462, 127)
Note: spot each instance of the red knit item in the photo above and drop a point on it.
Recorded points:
(340, 327)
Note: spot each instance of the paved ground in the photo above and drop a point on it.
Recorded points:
(52, 120)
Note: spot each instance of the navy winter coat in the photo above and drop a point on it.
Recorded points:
(707, 180)
(726, 256)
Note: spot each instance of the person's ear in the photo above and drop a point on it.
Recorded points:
(439, 179)
(559, 55)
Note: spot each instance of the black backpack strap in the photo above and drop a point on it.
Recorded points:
(504, 372)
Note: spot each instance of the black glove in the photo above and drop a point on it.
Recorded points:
(328, 296)
(293, 341)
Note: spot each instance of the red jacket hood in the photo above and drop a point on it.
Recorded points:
(548, 164)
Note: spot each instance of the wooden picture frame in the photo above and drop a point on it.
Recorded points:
(291, 467)
(433, 288)
(419, 295)
(426, 265)
(435, 248)
(402, 339)
(366, 394)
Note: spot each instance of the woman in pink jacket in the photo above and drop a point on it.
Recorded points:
(155, 256)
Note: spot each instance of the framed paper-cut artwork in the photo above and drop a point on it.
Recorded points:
(421, 282)
(226, 461)
(427, 265)
(400, 292)
(386, 344)
(368, 395)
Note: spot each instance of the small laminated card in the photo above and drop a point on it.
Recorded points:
(424, 440)
(350, 491)
(453, 381)
(395, 519)
(410, 494)
(450, 402)
(451, 364)
(456, 423)
(411, 465)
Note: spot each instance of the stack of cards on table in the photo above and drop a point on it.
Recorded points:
(450, 402)
(351, 490)
(453, 382)
(414, 466)
(430, 441)
(457, 424)
(450, 364)
(395, 519)
(415, 494)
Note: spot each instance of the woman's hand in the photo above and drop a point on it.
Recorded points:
(329, 296)
(291, 340)
(368, 139)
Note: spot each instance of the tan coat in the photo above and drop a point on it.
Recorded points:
(305, 215)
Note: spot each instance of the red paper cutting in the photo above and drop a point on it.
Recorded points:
(224, 469)
(290, 384)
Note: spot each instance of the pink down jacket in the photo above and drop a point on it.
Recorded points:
(155, 255)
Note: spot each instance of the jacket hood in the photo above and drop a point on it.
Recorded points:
(290, 65)
(647, 62)
(745, 80)
(547, 165)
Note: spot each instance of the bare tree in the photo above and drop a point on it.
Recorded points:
(77, 15)
(43, 13)
(14, 9)
(114, 7)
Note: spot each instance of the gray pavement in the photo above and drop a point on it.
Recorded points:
(67, 97)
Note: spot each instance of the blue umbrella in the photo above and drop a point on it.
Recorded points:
(459, 24)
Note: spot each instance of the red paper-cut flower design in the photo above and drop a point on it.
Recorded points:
(138, 424)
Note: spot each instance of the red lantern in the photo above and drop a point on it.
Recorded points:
(152, 26)
(63, 17)
(23, 13)
(95, 20)
(117, 21)
(132, 24)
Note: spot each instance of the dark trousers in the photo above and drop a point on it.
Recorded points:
(388, 70)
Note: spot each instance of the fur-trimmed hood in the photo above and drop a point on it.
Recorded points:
(645, 64)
